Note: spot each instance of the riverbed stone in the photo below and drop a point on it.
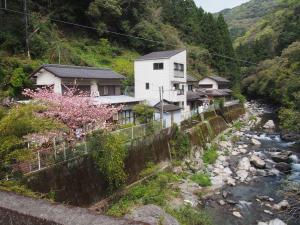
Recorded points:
(257, 162)
(244, 164)
(222, 202)
(242, 175)
(152, 215)
(237, 214)
(277, 222)
(255, 142)
(282, 205)
(269, 125)
(283, 167)
(283, 156)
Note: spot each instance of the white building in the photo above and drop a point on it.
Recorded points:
(214, 82)
(166, 69)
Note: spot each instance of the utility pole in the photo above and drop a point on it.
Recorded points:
(26, 28)
(161, 96)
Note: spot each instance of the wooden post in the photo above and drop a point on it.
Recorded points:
(54, 146)
(65, 155)
(39, 161)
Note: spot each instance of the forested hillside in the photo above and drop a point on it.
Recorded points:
(114, 33)
(242, 17)
(271, 48)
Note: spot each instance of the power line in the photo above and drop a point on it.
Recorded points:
(132, 36)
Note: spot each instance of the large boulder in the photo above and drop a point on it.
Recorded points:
(276, 222)
(257, 162)
(283, 156)
(290, 137)
(269, 125)
(244, 164)
(152, 215)
(242, 175)
(283, 167)
(255, 142)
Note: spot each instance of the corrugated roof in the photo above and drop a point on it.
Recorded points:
(159, 55)
(70, 71)
(190, 78)
(219, 79)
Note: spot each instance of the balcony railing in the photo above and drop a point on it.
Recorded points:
(178, 74)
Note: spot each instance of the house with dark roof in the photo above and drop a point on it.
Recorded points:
(214, 82)
(166, 70)
(104, 85)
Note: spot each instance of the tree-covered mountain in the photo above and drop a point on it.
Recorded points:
(113, 34)
(242, 17)
(272, 71)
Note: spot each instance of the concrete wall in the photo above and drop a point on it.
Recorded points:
(20, 210)
(79, 182)
(46, 78)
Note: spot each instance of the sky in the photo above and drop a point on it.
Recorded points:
(218, 5)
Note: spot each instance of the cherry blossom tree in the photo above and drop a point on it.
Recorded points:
(76, 109)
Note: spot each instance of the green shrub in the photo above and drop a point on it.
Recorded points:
(154, 191)
(210, 155)
(143, 113)
(109, 153)
(180, 144)
(186, 215)
(202, 179)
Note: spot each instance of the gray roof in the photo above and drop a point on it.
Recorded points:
(159, 55)
(168, 107)
(70, 71)
(219, 79)
(193, 95)
(190, 78)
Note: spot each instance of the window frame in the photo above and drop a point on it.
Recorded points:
(158, 66)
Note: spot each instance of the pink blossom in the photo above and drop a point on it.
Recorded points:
(74, 110)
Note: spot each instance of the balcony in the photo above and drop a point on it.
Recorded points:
(178, 74)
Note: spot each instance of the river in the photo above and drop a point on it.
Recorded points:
(244, 197)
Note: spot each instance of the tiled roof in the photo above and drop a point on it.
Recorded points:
(70, 71)
(219, 79)
(159, 55)
(194, 95)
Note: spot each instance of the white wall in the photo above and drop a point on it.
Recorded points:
(168, 118)
(209, 81)
(46, 78)
(144, 73)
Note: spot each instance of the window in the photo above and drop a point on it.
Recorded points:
(205, 85)
(158, 66)
(105, 90)
(178, 67)
(147, 86)
(176, 86)
(190, 87)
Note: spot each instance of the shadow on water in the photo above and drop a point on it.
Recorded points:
(245, 195)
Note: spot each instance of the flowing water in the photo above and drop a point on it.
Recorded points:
(246, 194)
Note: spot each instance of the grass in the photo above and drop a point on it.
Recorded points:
(210, 155)
(202, 179)
(186, 215)
(238, 125)
(17, 187)
(155, 191)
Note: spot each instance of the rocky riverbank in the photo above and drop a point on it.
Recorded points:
(242, 185)
(245, 156)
